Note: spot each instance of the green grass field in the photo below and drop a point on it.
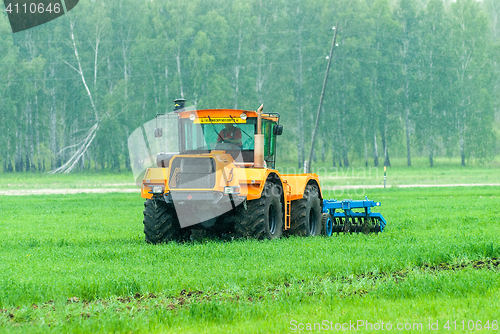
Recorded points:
(78, 263)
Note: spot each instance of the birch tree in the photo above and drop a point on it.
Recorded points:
(97, 30)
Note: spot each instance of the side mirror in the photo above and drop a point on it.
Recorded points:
(278, 130)
(158, 132)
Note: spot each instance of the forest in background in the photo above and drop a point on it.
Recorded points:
(408, 78)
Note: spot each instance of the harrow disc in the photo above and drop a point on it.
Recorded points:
(376, 226)
(338, 225)
(347, 225)
(366, 226)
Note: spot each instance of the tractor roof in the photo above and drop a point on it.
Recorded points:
(221, 113)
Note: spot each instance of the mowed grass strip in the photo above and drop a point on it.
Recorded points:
(87, 179)
(89, 248)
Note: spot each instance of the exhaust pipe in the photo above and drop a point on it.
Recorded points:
(258, 150)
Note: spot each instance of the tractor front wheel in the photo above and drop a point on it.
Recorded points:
(262, 218)
(160, 222)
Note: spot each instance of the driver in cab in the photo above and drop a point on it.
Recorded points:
(230, 134)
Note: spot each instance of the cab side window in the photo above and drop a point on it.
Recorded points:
(269, 138)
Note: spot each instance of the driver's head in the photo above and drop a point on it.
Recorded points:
(229, 126)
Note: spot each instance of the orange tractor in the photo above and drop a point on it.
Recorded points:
(215, 174)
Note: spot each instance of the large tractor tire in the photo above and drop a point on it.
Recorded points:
(306, 214)
(261, 218)
(161, 224)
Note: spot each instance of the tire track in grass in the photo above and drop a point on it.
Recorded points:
(26, 192)
(140, 303)
(399, 276)
(415, 186)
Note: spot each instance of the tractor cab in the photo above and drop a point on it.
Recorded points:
(187, 131)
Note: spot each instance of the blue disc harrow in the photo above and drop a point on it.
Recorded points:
(338, 216)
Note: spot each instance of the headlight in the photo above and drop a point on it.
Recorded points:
(192, 117)
(243, 116)
(157, 189)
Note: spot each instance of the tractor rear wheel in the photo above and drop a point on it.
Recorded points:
(261, 218)
(306, 214)
(160, 222)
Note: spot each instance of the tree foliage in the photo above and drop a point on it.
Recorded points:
(408, 79)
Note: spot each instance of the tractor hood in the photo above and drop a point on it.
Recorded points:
(201, 186)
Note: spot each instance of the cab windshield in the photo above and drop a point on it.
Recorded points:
(236, 137)
(212, 135)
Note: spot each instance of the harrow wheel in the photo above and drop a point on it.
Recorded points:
(306, 214)
(161, 223)
(263, 217)
(326, 224)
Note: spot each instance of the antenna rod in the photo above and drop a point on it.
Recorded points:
(321, 100)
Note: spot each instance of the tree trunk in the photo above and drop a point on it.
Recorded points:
(260, 83)
(462, 137)
(157, 94)
(407, 122)
(334, 156)
(407, 115)
(431, 116)
(53, 122)
(28, 137)
(462, 149)
(237, 68)
(431, 156)
(36, 129)
(126, 69)
(89, 137)
(387, 161)
(178, 57)
(344, 108)
(346, 158)
(375, 149)
(300, 115)
(323, 150)
(343, 150)
(366, 146)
